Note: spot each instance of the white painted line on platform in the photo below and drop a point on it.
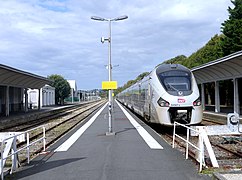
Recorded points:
(151, 142)
(68, 143)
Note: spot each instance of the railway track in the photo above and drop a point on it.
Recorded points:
(56, 127)
(207, 122)
(42, 118)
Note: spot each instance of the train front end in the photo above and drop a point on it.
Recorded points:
(181, 100)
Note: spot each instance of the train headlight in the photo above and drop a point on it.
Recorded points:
(197, 102)
(163, 103)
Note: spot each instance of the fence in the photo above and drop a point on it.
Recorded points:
(203, 139)
(9, 142)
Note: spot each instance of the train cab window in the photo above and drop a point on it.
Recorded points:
(176, 80)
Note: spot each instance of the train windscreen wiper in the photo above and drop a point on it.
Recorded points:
(172, 87)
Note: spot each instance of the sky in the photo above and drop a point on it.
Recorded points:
(46, 37)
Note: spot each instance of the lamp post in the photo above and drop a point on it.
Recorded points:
(110, 131)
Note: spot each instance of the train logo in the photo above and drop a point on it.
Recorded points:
(180, 93)
(181, 100)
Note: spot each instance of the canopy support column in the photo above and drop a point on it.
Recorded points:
(236, 96)
(203, 95)
(26, 100)
(217, 97)
(7, 102)
(39, 99)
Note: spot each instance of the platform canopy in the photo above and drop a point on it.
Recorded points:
(228, 67)
(13, 77)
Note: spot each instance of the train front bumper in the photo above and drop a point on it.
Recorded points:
(186, 115)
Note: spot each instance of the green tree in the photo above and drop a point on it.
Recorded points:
(131, 82)
(211, 51)
(176, 60)
(62, 88)
(141, 76)
(232, 29)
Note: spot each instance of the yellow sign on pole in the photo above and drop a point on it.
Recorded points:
(109, 85)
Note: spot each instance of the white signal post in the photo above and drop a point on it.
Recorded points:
(110, 131)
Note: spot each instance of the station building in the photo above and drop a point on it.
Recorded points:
(220, 84)
(47, 97)
(14, 85)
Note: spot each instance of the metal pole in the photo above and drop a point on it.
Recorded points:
(110, 131)
(44, 139)
(28, 147)
(110, 79)
(174, 135)
(2, 150)
(72, 95)
(187, 143)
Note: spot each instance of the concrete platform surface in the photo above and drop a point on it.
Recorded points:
(123, 156)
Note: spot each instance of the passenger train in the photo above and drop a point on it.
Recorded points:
(169, 93)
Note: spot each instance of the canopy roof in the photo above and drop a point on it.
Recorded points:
(228, 67)
(13, 77)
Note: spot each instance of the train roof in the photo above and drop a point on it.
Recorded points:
(167, 67)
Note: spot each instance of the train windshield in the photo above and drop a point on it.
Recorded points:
(176, 80)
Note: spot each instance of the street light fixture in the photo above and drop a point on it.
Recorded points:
(112, 19)
(110, 131)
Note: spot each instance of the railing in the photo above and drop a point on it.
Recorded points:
(10, 143)
(202, 139)
(200, 149)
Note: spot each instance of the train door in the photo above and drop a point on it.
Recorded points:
(147, 112)
(140, 103)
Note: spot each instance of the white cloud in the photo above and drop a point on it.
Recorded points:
(58, 37)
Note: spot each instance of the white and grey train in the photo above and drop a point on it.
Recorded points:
(169, 93)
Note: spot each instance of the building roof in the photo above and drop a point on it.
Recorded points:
(17, 78)
(228, 67)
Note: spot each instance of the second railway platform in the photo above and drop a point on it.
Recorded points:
(135, 152)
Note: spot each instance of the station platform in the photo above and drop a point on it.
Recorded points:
(87, 153)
